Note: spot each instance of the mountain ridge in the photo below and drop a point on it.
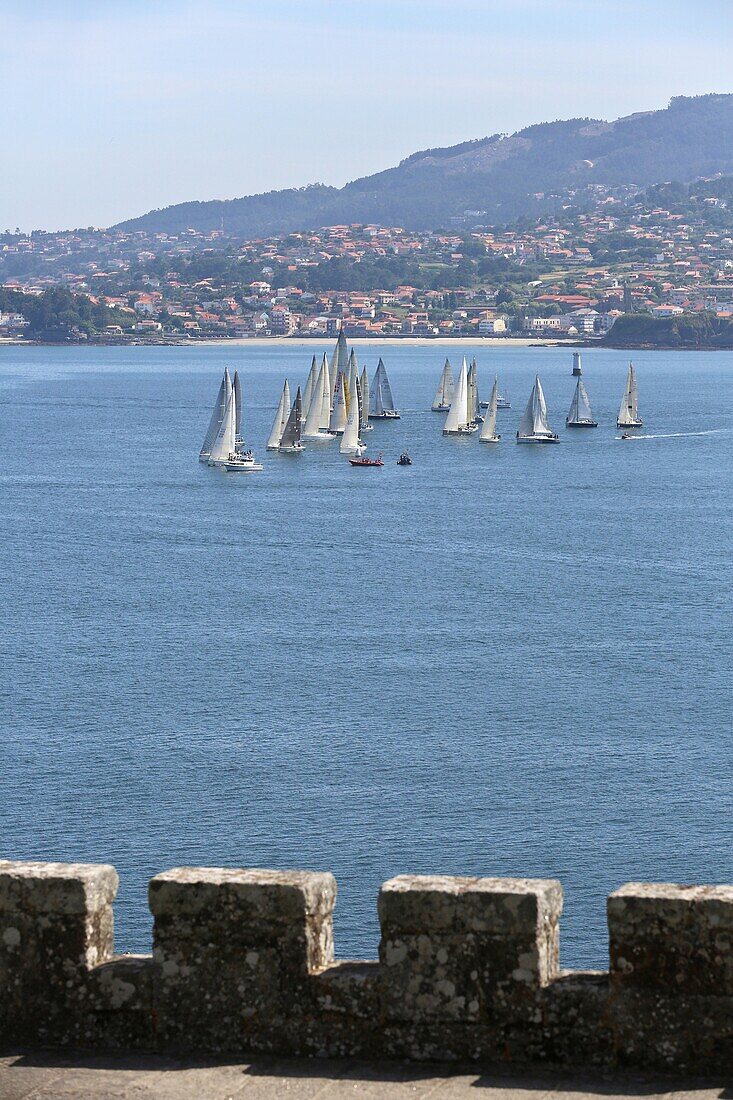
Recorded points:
(503, 176)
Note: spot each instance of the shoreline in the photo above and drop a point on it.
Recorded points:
(493, 342)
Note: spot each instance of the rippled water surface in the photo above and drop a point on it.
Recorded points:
(502, 660)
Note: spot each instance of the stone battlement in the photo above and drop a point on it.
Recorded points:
(468, 969)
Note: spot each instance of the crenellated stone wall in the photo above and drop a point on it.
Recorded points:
(468, 969)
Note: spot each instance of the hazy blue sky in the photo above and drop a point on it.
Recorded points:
(112, 108)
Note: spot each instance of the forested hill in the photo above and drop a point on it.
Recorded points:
(503, 176)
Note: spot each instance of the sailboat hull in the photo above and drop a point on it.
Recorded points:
(491, 439)
(384, 416)
(439, 408)
(581, 423)
(468, 430)
(538, 439)
(319, 437)
(630, 424)
(296, 449)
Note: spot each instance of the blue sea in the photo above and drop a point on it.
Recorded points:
(502, 660)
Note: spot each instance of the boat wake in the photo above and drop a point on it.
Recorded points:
(673, 435)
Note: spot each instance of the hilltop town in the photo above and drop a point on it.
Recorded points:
(664, 253)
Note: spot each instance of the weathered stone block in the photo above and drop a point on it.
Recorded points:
(466, 948)
(672, 938)
(233, 951)
(56, 923)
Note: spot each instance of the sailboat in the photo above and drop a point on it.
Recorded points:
(581, 414)
(488, 428)
(291, 443)
(456, 422)
(309, 385)
(364, 387)
(319, 412)
(281, 416)
(474, 416)
(445, 390)
(337, 420)
(217, 416)
(533, 427)
(381, 402)
(339, 362)
(628, 414)
(224, 454)
(350, 442)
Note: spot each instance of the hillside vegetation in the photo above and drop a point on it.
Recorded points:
(529, 173)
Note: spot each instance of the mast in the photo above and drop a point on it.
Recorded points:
(217, 416)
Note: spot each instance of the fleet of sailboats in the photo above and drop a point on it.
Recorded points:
(339, 401)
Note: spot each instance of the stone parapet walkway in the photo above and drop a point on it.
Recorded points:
(63, 1076)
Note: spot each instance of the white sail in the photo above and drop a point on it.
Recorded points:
(534, 421)
(281, 416)
(292, 432)
(327, 399)
(339, 362)
(350, 443)
(352, 378)
(381, 401)
(472, 393)
(237, 387)
(445, 390)
(488, 428)
(312, 379)
(223, 445)
(580, 410)
(337, 422)
(321, 395)
(217, 416)
(457, 417)
(364, 398)
(628, 414)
